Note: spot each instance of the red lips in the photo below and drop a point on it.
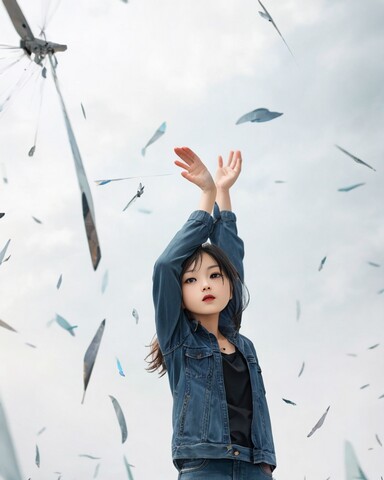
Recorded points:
(208, 297)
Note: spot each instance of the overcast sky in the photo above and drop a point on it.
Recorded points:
(198, 65)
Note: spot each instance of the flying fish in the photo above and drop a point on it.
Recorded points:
(159, 132)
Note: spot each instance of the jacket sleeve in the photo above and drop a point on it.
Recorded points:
(225, 236)
(171, 322)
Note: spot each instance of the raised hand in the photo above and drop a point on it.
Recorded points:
(194, 169)
(226, 175)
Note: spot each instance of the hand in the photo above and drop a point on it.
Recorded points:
(227, 175)
(194, 169)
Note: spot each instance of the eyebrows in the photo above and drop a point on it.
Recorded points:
(210, 267)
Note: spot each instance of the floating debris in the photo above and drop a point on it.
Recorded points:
(9, 467)
(120, 418)
(159, 132)
(289, 401)
(8, 327)
(373, 264)
(104, 281)
(259, 115)
(135, 315)
(353, 469)
(268, 17)
(301, 369)
(3, 252)
(82, 109)
(357, 160)
(128, 467)
(319, 423)
(64, 324)
(351, 187)
(139, 193)
(37, 220)
(90, 356)
(37, 457)
(58, 285)
(322, 263)
(364, 386)
(120, 368)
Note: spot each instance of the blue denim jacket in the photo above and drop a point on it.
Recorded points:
(192, 354)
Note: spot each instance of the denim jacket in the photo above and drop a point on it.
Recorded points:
(192, 354)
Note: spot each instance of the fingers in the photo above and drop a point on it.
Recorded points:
(220, 162)
(187, 155)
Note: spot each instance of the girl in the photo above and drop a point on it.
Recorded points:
(221, 425)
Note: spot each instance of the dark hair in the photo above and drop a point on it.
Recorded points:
(237, 304)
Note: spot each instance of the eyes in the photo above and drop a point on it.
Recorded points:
(213, 276)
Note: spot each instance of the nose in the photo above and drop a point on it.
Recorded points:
(206, 286)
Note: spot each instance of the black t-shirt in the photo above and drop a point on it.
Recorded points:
(239, 397)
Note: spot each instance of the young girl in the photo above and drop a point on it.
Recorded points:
(221, 425)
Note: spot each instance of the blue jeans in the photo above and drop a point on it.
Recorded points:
(221, 469)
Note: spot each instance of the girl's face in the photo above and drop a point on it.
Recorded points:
(205, 289)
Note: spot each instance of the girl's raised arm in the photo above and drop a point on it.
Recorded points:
(171, 326)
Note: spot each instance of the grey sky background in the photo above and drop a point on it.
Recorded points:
(198, 65)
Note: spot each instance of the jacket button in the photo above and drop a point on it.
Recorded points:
(236, 453)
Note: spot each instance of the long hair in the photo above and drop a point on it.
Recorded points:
(239, 301)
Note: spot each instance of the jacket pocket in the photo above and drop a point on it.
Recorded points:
(198, 362)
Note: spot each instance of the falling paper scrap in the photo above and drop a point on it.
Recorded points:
(3, 252)
(351, 187)
(139, 193)
(9, 467)
(373, 264)
(322, 263)
(86, 196)
(298, 310)
(120, 368)
(120, 418)
(318, 424)
(268, 17)
(259, 115)
(8, 327)
(159, 132)
(64, 324)
(357, 160)
(85, 455)
(289, 401)
(301, 369)
(128, 467)
(135, 315)
(90, 356)
(104, 281)
(108, 180)
(353, 469)
(37, 457)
